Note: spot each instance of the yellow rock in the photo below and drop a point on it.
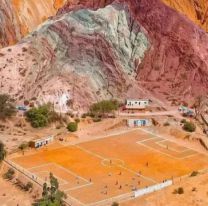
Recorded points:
(196, 10)
(31, 13)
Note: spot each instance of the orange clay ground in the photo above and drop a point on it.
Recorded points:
(95, 171)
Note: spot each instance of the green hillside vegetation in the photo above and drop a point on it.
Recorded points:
(42, 116)
(104, 107)
(7, 107)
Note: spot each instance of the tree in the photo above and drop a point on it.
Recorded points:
(72, 126)
(2, 151)
(179, 191)
(51, 195)
(189, 126)
(104, 107)
(22, 147)
(28, 186)
(7, 108)
(9, 175)
(41, 116)
(194, 173)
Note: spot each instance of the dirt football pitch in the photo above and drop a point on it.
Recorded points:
(96, 171)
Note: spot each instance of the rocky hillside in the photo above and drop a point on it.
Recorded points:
(19, 17)
(196, 10)
(82, 55)
(103, 49)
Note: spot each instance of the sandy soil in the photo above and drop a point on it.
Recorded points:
(12, 196)
(92, 168)
(87, 137)
(195, 194)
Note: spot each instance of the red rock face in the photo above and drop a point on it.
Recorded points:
(20, 17)
(9, 26)
(174, 67)
(177, 62)
(79, 4)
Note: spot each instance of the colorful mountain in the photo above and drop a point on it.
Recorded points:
(196, 10)
(19, 17)
(108, 49)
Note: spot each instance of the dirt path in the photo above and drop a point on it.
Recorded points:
(164, 113)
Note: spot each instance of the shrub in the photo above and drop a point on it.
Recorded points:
(58, 126)
(2, 151)
(26, 102)
(194, 173)
(97, 119)
(77, 120)
(115, 204)
(183, 121)
(178, 191)
(104, 107)
(30, 144)
(42, 116)
(189, 126)
(194, 189)
(84, 115)
(28, 186)
(9, 175)
(154, 122)
(7, 108)
(166, 124)
(23, 146)
(70, 114)
(72, 127)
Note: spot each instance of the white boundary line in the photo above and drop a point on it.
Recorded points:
(156, 135)
(59, 166)
(78, 187)
(128, 195)
(47, 172)
(39, 166)
(158, 151)
(113, 159)
(125, 168)
(85, 184)
(170, 148)
(72, 173)
(144, 140)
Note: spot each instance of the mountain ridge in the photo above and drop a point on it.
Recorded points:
(116, 51)
(20, 17)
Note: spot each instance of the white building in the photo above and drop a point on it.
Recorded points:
(139, 122)
(137, 103)
(41, 142)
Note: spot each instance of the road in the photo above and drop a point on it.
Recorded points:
(163, 113)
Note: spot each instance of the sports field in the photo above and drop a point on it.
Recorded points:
(93, 172)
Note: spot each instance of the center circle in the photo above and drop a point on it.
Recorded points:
(112, 162)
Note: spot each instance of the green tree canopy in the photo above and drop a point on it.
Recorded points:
(189, 126)
(7, 108)
(104, 107)
(42, 115)
(51, 195)
(72, 126)
(23, 147)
